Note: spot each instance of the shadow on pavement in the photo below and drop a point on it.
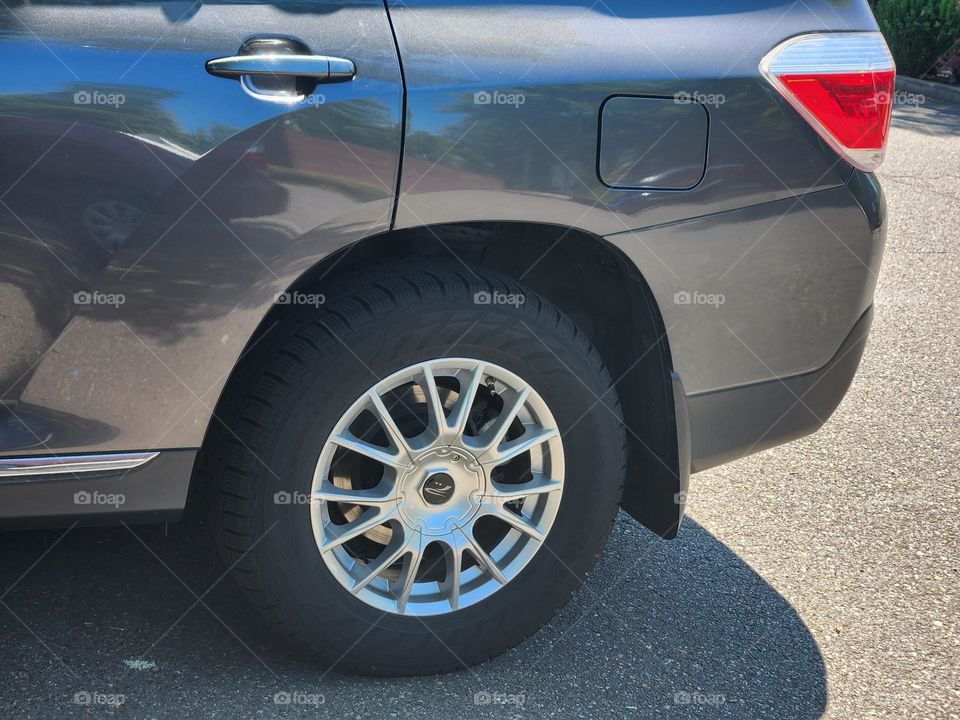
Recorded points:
(932, 118)
(665, 629)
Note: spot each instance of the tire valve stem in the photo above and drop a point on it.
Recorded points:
(491, 385)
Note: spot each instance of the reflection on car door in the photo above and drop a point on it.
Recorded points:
(150, 211)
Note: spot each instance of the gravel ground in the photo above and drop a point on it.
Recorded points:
(816, 579)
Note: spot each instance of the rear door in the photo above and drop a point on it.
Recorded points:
(153, 204)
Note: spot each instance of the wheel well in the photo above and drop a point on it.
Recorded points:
(598, 288)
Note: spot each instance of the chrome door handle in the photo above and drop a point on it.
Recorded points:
(317, 67)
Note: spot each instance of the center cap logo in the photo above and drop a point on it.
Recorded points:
(438, 489)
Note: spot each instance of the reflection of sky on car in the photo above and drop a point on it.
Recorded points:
(194, 100)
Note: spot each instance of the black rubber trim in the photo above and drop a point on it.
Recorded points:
(154, 492)
(658, 501)
(403, 116)
(730, 424)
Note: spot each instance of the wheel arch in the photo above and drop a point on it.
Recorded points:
(588, 278)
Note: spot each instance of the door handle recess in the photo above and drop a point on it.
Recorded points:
(319, 68)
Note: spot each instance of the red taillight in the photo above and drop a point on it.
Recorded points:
(855, 107)
(843, 84)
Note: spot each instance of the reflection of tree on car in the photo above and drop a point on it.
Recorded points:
(151, 154)
(90, 189)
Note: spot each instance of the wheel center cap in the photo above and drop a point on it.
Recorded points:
(441, 490)
(438, 489)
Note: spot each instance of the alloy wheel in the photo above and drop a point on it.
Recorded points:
(437, 486)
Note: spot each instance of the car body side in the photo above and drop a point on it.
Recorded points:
(779, 237)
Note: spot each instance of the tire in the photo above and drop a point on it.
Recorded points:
(306, 376)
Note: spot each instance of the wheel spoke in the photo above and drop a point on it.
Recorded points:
(483, 558)
(494, 436)
(451, 584)
(390, 425)
(372, 497)
(385, 559)
(537, 486)
(438, 420)
(460, 415)
(382, 455)
(508, 451)
(413, 554)
(336, 535)
(518, 522)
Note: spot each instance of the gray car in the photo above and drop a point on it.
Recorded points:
(414, 295)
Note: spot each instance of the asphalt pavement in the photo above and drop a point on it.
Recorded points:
(817, 579)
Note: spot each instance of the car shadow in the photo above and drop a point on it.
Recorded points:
(667, 629)
(931, 118)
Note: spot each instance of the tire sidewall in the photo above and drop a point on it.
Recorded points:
(543, 354)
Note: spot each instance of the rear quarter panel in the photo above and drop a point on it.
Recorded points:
(791, 303)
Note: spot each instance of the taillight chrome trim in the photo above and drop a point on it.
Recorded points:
(829, 53)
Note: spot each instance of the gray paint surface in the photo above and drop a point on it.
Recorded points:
(237, 197)
(808, 267)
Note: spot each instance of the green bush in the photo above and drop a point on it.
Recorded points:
(918, 31)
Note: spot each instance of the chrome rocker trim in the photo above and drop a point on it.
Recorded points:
(72, 464)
